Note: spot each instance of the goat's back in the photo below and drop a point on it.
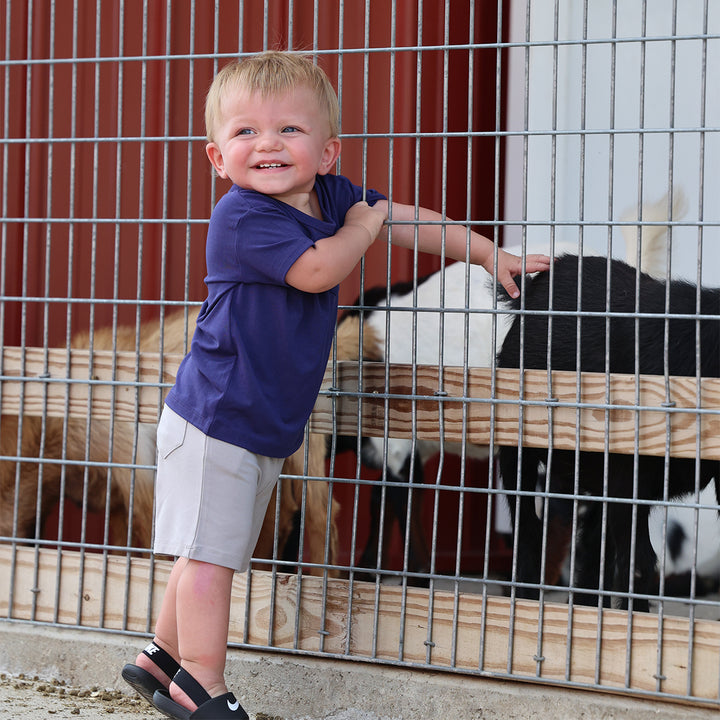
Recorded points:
(625, 320)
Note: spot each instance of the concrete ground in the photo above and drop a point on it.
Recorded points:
(68, 673)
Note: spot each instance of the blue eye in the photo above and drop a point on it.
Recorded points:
(245, 131)
(290, 129)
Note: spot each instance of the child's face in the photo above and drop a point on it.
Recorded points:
(274, 145)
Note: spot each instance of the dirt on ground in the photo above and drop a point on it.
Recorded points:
(23, 696)
(30, 697)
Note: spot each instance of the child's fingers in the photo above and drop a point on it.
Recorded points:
(511, 265)
(537, 263)
(509, 284)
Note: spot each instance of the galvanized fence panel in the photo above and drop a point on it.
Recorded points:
(546, 126)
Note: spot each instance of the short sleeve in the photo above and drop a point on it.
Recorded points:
(252, 240)
(269, 242)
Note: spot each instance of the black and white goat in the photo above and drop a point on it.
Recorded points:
(408, 318)
(406, 325)
(628, 562)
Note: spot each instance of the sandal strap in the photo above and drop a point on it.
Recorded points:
(192, 688)
(162, 659)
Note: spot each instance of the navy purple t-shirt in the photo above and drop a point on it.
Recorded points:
(260, 348)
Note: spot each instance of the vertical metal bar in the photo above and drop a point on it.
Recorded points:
(316, 22)
(581, 237)
(666, 369)
(241, 28)
(5, 174)
(539, 657)
(550, 416)
(164, 257)
(24, 275)
(521, 320)
(163, 272)
(410, 500)
(93, 264)
(68, 316)
(698, 280)
(94, 228)
(189, 158)
(3, 271)
(266, 28)
(606, 417)
(441, 331)
(329, 481)
(466, 335)
(323, 632)
(46, 292)
(165, 182)
(241, 41)
(282, 479)
(364, 155)
(634, 520)
(96, 168)
(72, 173)
(358, 462)
(291, 17)
(305, 480)
(493, 499)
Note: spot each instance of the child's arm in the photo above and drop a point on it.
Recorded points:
(333, 258)
(481, 249)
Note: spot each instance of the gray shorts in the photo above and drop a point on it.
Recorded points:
(210, 496)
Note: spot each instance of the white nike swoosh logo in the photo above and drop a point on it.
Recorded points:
(233, 706)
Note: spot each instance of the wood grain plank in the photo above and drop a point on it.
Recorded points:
(56, 382)
(583, 410)
(507, 408)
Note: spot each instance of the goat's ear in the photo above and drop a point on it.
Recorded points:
(216, 159)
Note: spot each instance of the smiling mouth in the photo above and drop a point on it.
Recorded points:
(269, 166)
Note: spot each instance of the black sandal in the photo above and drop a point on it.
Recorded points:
(211, 708)
(146, 683)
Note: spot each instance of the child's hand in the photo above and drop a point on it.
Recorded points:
(371, 218)
(510, 265)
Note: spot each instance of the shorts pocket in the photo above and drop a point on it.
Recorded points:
(170, 432)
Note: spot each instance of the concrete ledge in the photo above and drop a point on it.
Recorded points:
(291, 686)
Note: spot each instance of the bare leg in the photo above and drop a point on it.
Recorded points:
(166, 627)
(202, 610)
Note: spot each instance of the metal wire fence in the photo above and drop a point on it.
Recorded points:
(588, 128)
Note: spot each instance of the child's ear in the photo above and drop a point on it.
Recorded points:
(216, 159)
(330, 155)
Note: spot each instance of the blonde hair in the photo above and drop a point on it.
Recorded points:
(271, 73)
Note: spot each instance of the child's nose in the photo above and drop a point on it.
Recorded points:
(269, 141)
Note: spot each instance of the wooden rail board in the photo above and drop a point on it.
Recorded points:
(585, 409)
(579, 408)
(117, 597)
(56, 382)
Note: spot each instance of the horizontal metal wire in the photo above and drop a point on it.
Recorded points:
(399, 135)
(524, 223)
(373, 50)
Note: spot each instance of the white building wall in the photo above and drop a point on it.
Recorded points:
(633, 130)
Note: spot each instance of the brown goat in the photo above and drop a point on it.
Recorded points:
(30, 490)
